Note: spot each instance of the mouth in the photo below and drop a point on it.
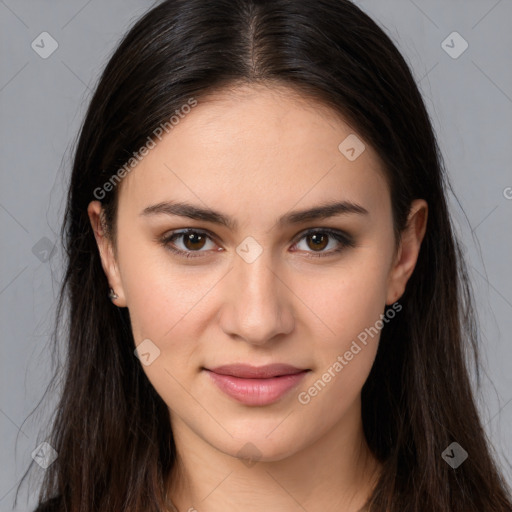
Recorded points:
(256, 386)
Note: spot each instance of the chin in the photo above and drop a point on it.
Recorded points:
(262, 443)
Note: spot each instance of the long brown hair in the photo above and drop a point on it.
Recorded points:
(111, 429)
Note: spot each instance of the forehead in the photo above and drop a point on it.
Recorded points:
(258, 145)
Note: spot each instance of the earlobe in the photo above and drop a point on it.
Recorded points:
(408, 252)
(108, 262)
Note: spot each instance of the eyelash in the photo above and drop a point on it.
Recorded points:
(344, 240)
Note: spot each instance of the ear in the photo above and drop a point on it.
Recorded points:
(408, 251)
(105, 247)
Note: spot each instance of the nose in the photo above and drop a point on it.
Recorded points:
(257, 305)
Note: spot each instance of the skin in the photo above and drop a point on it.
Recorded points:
(256, 153)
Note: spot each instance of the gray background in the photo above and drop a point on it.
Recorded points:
(43, 101)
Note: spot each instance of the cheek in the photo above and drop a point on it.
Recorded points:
(166, 306)
(347, 299)
(349, 307)
(161, 295)
(343, 361)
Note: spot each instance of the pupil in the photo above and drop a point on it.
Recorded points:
(193, 239)
(318, 240)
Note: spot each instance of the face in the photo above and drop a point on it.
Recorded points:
(269, 285)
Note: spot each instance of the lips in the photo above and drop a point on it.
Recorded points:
(256, 386)
(245, 371)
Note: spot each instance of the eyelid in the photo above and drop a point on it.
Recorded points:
(343, 238)
(166, 240)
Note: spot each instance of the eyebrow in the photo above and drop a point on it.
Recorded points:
(323, 211)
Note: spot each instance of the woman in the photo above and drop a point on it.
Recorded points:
(268, 306)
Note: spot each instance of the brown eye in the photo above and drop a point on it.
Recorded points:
(319, 241)
(316, 241)
(193, 241)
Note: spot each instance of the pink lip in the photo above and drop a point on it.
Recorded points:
(256, 385)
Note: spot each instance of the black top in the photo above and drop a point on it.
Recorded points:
(52, 505)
